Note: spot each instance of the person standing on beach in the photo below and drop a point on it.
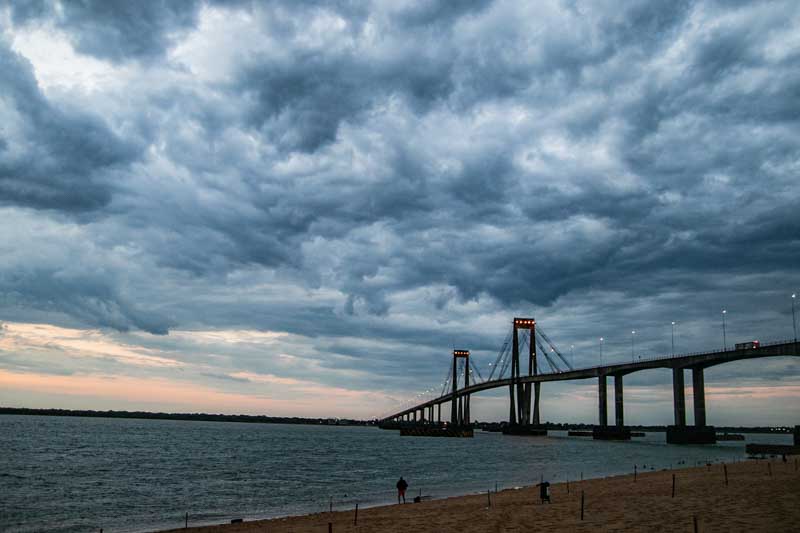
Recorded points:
(401, 489)
(544, 491)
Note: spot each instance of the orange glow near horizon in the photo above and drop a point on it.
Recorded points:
(99, 391)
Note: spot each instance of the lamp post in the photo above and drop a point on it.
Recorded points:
(724, 338)
(572, 352)
(794, 323)
(633, 336)
(673, 338)
(601, 351)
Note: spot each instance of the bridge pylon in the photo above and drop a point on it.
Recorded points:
(459, 409)
(523, 416)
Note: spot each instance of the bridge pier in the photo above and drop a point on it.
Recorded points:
(699, 433)
(699, 389)
(618, 431)
(603, 400)
(679, 397)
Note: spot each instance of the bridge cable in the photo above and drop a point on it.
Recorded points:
(499, 359)
(523, 345)
(475, 368)
(553, 366)
(541, 332)
(447, 379)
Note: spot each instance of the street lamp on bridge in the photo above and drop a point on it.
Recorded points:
(673, 338)
(601, 351)
(794, 323)
(633, 336)
(724, 338)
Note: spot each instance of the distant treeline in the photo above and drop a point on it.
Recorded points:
(253, 419)
(588, 427)
(263, 419)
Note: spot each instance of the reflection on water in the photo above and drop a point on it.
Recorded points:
(78, 474)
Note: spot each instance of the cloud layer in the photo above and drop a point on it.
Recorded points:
(379, 181)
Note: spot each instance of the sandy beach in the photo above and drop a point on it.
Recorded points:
(760, 496)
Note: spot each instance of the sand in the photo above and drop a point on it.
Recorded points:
(753, 500)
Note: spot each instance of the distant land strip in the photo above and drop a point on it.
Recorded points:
(264, 419)
(252, 419)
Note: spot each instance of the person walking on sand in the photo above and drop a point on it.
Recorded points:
(544, 491)
(401, 489)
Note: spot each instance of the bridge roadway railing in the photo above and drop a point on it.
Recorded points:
(592, 371)
(680, 356)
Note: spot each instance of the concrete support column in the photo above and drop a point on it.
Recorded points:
(537, 389)
(466, 410)
(602, 401)
(512, 407)
(512, 419)
(618, 409)
(699, 389)
(678, 397)
(526, 404)
(453, 404)
(439, 417)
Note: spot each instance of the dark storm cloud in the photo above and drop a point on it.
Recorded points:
(390, 167)
(114, 29)
(90, 297)
(53, 157)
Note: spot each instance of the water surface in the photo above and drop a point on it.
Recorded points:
(83, 474)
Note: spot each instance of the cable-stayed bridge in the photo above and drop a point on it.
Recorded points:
(546, 363)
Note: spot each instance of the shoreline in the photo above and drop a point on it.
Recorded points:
(760, 495)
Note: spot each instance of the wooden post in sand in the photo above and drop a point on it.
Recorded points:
(489, 497)
(355, 519)
(567, 485)
(330, 527)
(186, 521)
(673, 485)
(581, 505)
(725, 469)
(694, 522)
(634, 473)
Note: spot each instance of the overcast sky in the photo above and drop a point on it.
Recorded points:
(300, 208)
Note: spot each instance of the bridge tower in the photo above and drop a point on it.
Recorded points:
(459, 414)
(524, 396)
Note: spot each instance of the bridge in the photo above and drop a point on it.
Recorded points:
(525, 389)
